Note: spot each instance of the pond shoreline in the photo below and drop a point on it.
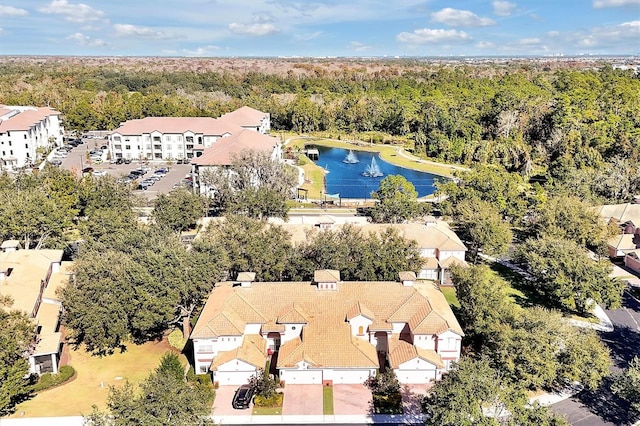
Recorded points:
(389, 153)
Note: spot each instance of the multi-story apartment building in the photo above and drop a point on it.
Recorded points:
(178, 138)
(25, 131)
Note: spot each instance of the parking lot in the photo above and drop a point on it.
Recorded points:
(79, 159)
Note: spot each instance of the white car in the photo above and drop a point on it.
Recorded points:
(100, 173)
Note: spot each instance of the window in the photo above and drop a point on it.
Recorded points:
(25, 135)
(293, 327)
(26, 145)
(116, 138)
(206, 348)
(127, 147)
(203, 368)
(10, 152)
(9, 141)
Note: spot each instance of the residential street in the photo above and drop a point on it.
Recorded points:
(601, 407)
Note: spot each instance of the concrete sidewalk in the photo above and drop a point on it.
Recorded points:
(328, 419)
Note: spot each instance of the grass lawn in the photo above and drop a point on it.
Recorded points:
(313, 178)
(327, 400)
(94, 375)
(450, 295)
(266, 411)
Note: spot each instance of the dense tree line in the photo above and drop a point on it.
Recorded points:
(571, 125)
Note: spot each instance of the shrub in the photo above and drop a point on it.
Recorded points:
(49, 380)
(176, 339)
(274, 400)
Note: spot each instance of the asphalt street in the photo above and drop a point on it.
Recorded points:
(601, 407)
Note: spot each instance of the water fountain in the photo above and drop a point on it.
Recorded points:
(351, 158)
(373, 170)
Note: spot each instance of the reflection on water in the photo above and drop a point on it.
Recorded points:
(347, 178)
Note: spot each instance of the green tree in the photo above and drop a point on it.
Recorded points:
(17, 336)
(562, 274)
(480, 224)
(165, 397)
(250, 245)
(179, 210)
(254, 185)
(563, 353)
(397, 201)
(627, 384)
(484, 301)
(263, 384)
(565, 216)
(466, 391)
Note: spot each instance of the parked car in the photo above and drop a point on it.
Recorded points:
(143, 186)
(87, 170)
(242, 398)
(127, 161)
(56, 162)
(100, 173)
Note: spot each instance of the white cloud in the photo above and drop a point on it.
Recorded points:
(359, 46)
(128, 30)
(598, 4)
(201, 51)
(531, 41)
(255, 29)
(503, 8)
(73, 12)
(617, 35)
(85, 40)
(12, 11)
(308, 36)
(460, 18)
(485, 45)
(426, 35)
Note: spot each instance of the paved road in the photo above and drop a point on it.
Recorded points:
(601, 407)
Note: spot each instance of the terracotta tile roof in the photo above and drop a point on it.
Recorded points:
(380, 325)
(439, 304)
(430, 263)
(401, 352)
(226, 323)
(426, 321)
(326, 276)
(292, 315)
(271, 326)
(27, 119)
(206, 126)
(246, 276)
(252, 351)
(360, 309)
(221, 153)
(245, 310)
(326, 339)
(436, 236)
(406, 310)
(244, 116)
(450, 261)
(407, 276)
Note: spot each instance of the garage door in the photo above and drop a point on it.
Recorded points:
(304, 377)
(232, 377)
(415, 376)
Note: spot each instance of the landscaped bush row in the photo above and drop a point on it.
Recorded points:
(48, 380)
(274, 400)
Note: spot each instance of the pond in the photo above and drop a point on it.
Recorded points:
(348, 180)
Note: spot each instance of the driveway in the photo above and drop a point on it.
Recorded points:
(302, 400)
(412, 398)
(351, 399)
(222, 404)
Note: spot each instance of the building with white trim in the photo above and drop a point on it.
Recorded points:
(27, 132)
(326, 331)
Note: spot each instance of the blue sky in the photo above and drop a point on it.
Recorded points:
(319, 27)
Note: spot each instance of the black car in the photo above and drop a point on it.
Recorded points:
(243, 397)
(127, 161)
